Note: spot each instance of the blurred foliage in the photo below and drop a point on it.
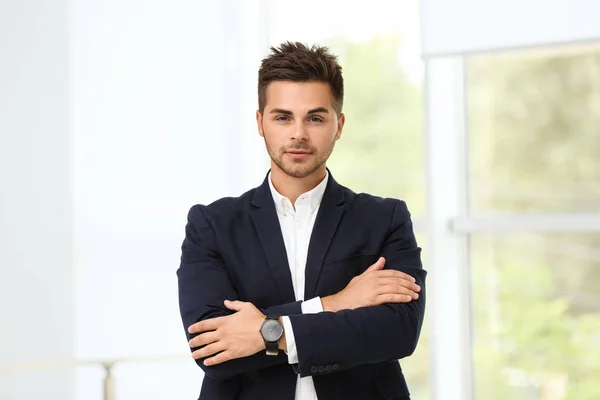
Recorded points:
(534, 129)
(381, 149)
(529, 343)
(534, 124)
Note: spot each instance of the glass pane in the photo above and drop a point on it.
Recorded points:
(381, 149)
(535, 130)
(536, 316)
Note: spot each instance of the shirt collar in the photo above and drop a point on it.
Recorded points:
(315, 195)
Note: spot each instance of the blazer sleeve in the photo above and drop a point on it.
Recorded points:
(330, 342)
(204, 285)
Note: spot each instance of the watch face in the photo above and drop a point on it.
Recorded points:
(271, 330)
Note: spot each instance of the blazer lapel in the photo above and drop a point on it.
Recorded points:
(267, 226)
(328, 219)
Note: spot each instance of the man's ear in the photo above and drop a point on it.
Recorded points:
(341, 122)
(259, 123)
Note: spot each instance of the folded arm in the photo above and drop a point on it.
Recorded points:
(330, 342)
(204, 285)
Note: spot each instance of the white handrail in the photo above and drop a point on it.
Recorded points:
(107, 362)
(53, 365)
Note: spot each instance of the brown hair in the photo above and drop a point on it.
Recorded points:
(297, 62)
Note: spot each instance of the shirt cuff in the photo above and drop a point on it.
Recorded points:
(292, 352)
(312, 306)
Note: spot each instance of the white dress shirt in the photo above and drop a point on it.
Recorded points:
(297, 223)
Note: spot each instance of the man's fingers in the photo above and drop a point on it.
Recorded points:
(400, 283)
(393, 298)
(234, 305)
(397, 289)
(209, 350)
(204, 339)
(219, 358)
(377, 266)
(206, 325)
(392, 273)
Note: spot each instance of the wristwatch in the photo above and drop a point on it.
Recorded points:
(271, 331)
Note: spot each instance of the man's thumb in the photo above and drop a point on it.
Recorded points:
(234, 305)
(377, 266)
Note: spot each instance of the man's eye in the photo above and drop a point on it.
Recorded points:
(281, 118)
(315, 119)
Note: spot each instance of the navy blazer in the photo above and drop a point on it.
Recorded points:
(234, 250)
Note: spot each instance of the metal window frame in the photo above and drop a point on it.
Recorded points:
(448, 280)
(578, 223)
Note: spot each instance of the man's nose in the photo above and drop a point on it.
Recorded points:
(300, 132)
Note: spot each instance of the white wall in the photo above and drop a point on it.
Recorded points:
(36, 281)
(115, 118)
(159, 123)
(458, 26)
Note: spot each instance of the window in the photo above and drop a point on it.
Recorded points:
(534, 130)
(536, 316)
(533, 119)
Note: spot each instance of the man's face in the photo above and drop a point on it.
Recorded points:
(299, 125)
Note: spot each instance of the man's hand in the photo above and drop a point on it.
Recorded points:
(232, 336)
(374, 287)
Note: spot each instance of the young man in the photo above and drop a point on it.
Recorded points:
(301, 289)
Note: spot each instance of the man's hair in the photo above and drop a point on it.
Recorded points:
(297, 62)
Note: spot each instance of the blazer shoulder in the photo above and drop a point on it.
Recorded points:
(226, 207)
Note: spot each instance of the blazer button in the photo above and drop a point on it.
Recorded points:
(314, 369)
(321, 369)
(328, 368)
(336, 367)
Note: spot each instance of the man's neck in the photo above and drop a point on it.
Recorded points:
(291, 187)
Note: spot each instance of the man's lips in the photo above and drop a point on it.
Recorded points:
(298, 153)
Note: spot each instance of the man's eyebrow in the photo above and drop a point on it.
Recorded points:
(280, 111)
(317, 110)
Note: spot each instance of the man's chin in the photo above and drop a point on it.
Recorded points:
(298, 172)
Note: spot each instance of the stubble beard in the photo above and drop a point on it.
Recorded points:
(299, 168)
